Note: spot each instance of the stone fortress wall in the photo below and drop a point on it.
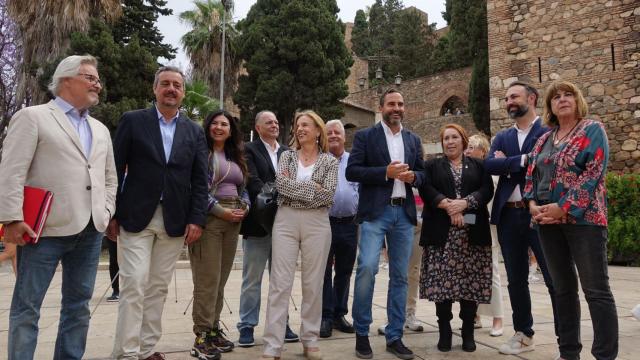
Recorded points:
(592, 43)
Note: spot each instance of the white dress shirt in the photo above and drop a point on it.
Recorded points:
(273, 153)
(395, 145)
(522, 135)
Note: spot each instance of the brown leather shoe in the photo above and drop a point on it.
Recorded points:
(156, 356)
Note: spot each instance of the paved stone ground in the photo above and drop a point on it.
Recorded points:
(177, 338)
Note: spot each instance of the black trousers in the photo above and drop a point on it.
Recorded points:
(342, 256)
(113, 265)
(582, 247)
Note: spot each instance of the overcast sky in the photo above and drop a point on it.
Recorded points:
(173, 30)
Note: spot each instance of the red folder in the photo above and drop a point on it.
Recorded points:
(35, 209)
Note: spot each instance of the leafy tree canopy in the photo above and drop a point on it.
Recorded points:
(126, 71)
(139, 19)
(395, 39)
(295, 58)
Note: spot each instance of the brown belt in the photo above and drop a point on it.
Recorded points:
(515, 204)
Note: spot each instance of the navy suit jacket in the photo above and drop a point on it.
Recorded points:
(181, 181)
(368, 165)
(508, 168)
(260, 171)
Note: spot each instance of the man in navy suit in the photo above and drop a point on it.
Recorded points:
(508, 159)
(387, 161)
(161, 161)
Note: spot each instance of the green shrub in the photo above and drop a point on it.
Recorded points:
(624, 218)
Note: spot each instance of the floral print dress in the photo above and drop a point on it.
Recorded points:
(458, 270)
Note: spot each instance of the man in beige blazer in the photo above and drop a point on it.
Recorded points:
(59, 147)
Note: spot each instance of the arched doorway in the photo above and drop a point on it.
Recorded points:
(453, 106)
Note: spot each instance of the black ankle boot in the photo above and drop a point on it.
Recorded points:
(468, 342)
(468, 314)
(443, 312)
(444, 342)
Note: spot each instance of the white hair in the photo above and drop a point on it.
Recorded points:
(263, 112)
(68, 67)
(337, 123)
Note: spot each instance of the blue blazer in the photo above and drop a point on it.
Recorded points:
(181, 181)
(368, 166)
(509, 169)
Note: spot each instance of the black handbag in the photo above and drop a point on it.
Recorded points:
(266, 206)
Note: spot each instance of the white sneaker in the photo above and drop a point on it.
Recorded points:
(412, 323)
(636, 312)
(518, 343)
(381, 329)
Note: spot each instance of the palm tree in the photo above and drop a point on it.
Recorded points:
(203, 44)
(197, 104)
(45, 27)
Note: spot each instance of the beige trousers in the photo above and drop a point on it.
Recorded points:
(495, 307)
(211, 260)
(414, 271)
(297, 231)
(147, 260)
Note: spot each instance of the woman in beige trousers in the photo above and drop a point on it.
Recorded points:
(306, 182)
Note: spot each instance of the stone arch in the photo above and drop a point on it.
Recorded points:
(452, 106)
(454, 91)
(349, 126)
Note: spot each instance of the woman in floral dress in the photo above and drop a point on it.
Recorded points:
(456, 263)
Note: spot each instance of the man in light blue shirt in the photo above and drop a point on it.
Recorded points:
(167, 130)
(344, 240)
(79, 121)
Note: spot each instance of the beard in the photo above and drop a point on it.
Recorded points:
(519, 111)
(389, 121)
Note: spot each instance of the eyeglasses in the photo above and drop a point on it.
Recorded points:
(92, 79)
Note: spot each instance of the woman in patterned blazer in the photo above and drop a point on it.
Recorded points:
(565, 190)
(306, 181)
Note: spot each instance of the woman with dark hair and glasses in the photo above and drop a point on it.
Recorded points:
(212, 256)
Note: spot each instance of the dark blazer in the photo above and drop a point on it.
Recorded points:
(182, 181)
(260, 171)
(509, 169)
(368, 165)
(439, 184)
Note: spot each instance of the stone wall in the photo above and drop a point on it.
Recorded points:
(424, 100)
(593, 43)
(423, 97)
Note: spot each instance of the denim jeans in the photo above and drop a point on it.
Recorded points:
(516, 236)
(342, 255)
(256, 253)
(398, 229)
(79, 255)
(584, 247)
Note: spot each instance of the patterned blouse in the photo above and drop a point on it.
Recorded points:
(305, 194)
(578, 185)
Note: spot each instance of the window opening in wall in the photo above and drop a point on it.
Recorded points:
(453, 106)
(539, 69)
(613, 58)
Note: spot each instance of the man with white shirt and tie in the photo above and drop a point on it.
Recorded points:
(58, 147)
